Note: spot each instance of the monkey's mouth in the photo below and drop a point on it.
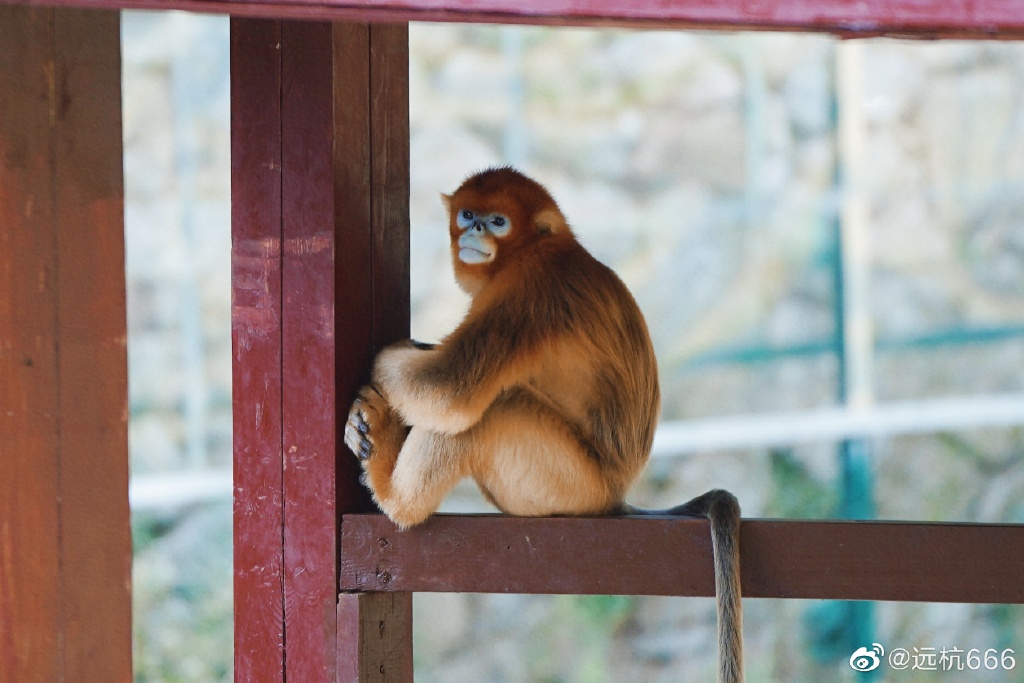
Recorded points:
(473, 256)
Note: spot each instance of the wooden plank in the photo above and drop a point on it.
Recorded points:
(912, 562)
(353, 219)
(91, 342)
(920, 18)
(256, 314)
(371, 171)
(29, 431)
(375, 637)
(65, 545)
(389, 139)
(308, 349)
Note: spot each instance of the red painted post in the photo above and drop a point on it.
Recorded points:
(65, 540)
(320, 225)
(256, 345)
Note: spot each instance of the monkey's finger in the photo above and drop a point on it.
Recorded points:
(357, 417)
(360, 447)
(352, 439)
(365, 450)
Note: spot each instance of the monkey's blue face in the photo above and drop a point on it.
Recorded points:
(478, 243)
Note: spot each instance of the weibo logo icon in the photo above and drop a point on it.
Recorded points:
(867, 660)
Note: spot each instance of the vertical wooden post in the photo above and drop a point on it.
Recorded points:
(375, 637)
(320, 258)
(374, 630)
(256, 346)
(65, 540)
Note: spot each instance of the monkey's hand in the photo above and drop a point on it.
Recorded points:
(374, 433)
(369, 413)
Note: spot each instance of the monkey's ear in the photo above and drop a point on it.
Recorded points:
(446, 199)
(550, 221)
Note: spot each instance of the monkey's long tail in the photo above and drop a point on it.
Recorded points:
(723, 511)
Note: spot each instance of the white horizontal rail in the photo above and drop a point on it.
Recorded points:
(837, 424)
(183, 488)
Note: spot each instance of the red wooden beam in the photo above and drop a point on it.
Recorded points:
(65, 540)
(672, 556)
(921, 18)
(320, 195)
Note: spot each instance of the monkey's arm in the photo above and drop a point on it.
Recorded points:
(408, 378)
(449, 387)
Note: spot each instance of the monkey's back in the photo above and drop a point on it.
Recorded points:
(597, 363)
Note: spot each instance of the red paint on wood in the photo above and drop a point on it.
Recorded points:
(671, 556)
(921, 18)
(65, 545)
(256, 345)
(315, 177)
(308, 348)
(353, 279)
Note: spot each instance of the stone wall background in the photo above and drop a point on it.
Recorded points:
(702, 168)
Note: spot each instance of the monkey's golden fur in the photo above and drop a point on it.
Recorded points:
(546, 394)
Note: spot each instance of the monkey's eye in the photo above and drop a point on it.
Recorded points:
(465, 219)
(499, 225)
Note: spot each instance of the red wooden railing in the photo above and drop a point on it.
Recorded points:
(903, 561)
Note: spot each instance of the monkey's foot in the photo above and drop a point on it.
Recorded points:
(374, 433)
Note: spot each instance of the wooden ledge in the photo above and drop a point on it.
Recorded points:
(912, 562)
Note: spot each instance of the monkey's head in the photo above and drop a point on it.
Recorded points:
(494, 218)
